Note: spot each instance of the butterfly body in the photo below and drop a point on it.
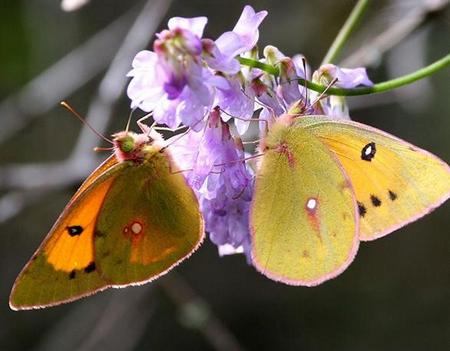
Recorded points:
(324, 185)
(132, 220)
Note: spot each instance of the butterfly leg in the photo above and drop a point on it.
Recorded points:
(145, 128)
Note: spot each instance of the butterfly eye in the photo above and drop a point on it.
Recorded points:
(127, 144)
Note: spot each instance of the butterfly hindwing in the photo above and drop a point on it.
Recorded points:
(128, 223)
(304, 222)
(144, 231)
(394, 182)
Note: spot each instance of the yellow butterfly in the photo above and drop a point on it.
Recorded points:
(132, 220)
(323, 185)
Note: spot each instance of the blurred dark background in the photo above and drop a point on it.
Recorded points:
(395, 295)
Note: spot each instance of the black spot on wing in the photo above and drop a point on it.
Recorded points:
(90, 268)
(375, 200)
(393, 196)
(368, 152)
(74, 230)
(362, 209)
(72, 274)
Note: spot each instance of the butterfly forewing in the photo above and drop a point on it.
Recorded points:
(63, 268)
(395, 182)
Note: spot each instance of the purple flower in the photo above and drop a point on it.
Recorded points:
(144, 89)
(218, 60)
(346, 77)
(192, 26)
(278, 96)
(247, 27)
(227, 220)
(219, 161)
(221, 54)
(220, 178)
(234, 94)
(171, 82)
(174, 83)
(289, 88)
(237, 99)
(336, 106)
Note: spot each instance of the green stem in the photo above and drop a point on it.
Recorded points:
(256, 64)
(348, 27)
(377, 88)
(393, 83)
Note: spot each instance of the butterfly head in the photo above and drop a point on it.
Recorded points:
(129, 146)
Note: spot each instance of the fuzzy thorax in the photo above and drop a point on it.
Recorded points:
(129, 146)
(271, 140)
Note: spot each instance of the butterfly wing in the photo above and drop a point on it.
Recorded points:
(304, 222)
(395, 182)
(105, 166)
(90, 248)
(149, 222)
(61, 268)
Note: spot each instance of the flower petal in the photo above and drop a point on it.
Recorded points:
(196, 25)
(247, 26)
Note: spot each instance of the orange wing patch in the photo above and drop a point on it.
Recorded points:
(71, 241)
(106, 165)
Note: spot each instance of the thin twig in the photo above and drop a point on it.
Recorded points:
(373, 49)
(46, 175)
(195, 313)
(12, 203)
(346, 30)
(63, 78)
(115, 322)
(123, 321)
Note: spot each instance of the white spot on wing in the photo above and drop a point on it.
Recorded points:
(136, 227)
(368, 150)
(311, 204)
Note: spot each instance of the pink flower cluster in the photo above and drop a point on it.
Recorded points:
(199, 82)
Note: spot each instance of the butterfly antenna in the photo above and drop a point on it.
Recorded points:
(144, 127)
(322, 94)
(83, 120)
(98, 148)
(127, 127)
